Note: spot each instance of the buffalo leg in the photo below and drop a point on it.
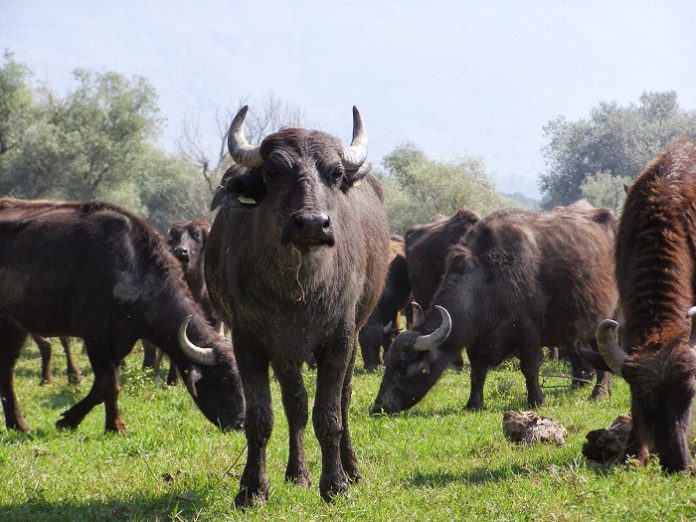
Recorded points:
(149, 354)
(11, 340)
(639, 442)
(112, 389)
(602, 386)
(458, 362)
(348, 459)
(295, 405)
(45, 351)
(74, 375)
(530, 361)
(332, 363)
(258, 423)
(479, 371)
(172, 376)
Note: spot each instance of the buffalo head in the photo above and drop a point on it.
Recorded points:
(187, 241)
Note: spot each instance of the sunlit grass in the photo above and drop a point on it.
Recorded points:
(436, 462)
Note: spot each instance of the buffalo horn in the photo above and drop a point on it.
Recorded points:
(692, 314)
(354, 155)
(425, 343)
(241, 151)
(387, 327)
(608, 345)
(417, 311)
(204, 356)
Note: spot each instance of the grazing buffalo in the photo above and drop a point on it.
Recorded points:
(295, 263)
(656, 278)
(44, 345)
(187, 241)
(521, 281)
(95, 271)
(382, 324)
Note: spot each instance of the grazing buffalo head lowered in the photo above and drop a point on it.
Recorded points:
(301, 168)
(411, 366)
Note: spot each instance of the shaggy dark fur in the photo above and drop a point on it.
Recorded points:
(95, 271)
(520, 281)
(655, 253)
(397, 290)
(289, 292)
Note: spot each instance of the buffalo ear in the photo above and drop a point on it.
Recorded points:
(353, 177)
(243, 186)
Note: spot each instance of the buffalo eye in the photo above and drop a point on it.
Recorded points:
(337, 173)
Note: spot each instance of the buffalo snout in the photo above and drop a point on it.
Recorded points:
(181, 253)
(309, 228)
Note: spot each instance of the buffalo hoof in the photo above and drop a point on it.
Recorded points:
(116, 427)
(599, 393)
(44, 382)
(246, 498)
(74, 378)
(331, 488)
(473, 406)
(18, 425)
(65, 424)
(298, 477)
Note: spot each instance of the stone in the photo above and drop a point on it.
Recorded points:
(608, 445)
(526, 427)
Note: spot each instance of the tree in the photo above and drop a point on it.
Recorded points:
(16, 103)
(615, 139)
(418, 188)
(605, 190)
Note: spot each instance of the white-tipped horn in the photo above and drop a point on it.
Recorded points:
(356, 154)
(425, 343)
(241, 151)
(204, 356)
(608, 345)
(417, 311)
(692, 314)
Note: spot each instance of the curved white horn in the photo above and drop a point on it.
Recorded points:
(241, 151)
(204, 356)
(417, 311)
(609, 349)
(356, 154)
(425, 343)
(692, 313)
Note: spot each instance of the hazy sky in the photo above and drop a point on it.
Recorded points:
(476, 78)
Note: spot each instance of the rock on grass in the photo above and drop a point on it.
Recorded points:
(526, 427)
(608, 445)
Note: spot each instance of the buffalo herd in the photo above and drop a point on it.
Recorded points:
(299, 265)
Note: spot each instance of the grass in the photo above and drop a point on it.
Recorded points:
(436, 462)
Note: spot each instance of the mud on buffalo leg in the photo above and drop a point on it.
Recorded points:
(478, 379)
(348, 459)
(112, 388)
(295, 405)
(45, 351)
(74, 375)
(11, 340)
(530, 362)
(258, 423)
(332, 363)
(602, 386)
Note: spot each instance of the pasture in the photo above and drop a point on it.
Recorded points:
(435, 462)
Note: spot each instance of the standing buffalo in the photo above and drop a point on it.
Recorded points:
(656, 277)
(186, 241)
(95, 271)
(295, 263)
(379, 329)
(521, 281)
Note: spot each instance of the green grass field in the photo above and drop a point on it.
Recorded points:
(436, 462)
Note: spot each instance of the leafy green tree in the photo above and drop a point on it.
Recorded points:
(418, 188)
(605, 190)
(617, 139)
(16, 103)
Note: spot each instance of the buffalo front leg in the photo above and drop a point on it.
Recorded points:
(11, 340)
(332, 363)
(258, 424)
(45, 351)
(348, 458)
(295, 405)
(530, 361)
(74, 375)
(479, 370)
(112, 389)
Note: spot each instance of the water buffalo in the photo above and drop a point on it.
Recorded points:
(656, 277)
(186, 241)
(95, 271)
(522, 280)
(382, 324)
(295, 263)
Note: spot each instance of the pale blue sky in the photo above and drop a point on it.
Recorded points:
(476, 78)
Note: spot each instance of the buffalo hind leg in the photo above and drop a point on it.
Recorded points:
(332, 363)
(12, 338)
(295, 405)
(258, 424)
(479, 371)
(74, 375)
(530, 362)
(602, 386)
(348, 458)
(45, 351)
